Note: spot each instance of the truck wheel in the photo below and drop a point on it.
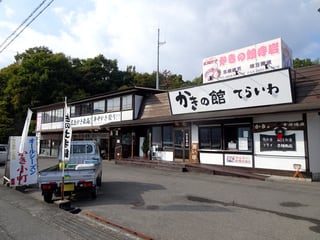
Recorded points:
(99, 182)
(94, 193)
(47, 197)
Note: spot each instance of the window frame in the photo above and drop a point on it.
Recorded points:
(99, 106)
(126, 103)
(113, 104)
(229, 132)
(57, 115)
(47, 117)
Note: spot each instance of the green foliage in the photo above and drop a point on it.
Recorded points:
(40, 77)
(145, 145)
(298, 63)
(6, 123)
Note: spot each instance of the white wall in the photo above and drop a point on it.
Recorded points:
(278, 118)
(211, 158)
(313, 124)
(126, 115)
(51, 126)
(280, 160)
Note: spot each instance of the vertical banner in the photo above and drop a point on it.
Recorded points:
(25, 131)
(23, 168)
(23, 154)
(67, 134)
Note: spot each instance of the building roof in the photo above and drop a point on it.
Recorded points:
(137, 90)
(306, 86)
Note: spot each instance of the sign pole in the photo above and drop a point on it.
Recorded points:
(66, 143)
(62, 147)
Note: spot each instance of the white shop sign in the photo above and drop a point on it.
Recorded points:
(23, 170)
(95, 120)
(251, 91)
(238, 160)
(261, 57)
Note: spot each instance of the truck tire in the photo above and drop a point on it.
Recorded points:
(99, 181)
(47, 197)
(94, 193)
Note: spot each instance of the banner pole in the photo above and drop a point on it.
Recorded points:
(63, 147)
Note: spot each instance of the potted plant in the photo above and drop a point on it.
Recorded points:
(145, 147)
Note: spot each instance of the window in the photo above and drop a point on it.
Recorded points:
(99, 106)
(58, 115)
(82, 148)
(46, 117)
(127, 102)
(86, 108)
(75, 111)
(236, 137)
(167, 136)
(210, 137)
(3, 149)
(113, 104)
(156, 136)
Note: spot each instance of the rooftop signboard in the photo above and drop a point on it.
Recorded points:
(266, 56)
(265, 89)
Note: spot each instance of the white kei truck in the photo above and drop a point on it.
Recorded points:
(82, 172)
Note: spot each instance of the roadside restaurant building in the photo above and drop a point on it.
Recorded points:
(253, 112)
(87, 119)
(268, 122)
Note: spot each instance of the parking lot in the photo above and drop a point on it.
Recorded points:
(164, 204)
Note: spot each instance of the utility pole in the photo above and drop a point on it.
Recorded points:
(158, 46)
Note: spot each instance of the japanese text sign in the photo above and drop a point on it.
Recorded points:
(67, 134)
(266, 56)
(95, 120)
(255, 90)
(23, 170)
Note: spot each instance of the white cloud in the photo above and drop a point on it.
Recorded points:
(8, 11)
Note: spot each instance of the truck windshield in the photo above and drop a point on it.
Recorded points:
(81, 148)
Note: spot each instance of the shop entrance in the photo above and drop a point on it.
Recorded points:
(181, 137)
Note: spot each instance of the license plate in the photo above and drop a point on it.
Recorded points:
(69, 187)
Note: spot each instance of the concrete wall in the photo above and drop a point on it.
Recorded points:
(313, 124)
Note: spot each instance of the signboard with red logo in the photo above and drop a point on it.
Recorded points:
(273, 54)
(279, 145)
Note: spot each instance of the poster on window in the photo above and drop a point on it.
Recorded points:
(243, 144)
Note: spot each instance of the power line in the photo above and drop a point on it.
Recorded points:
(22, 23)
(2, 48)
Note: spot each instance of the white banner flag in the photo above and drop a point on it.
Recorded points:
(25, 131)
(67, 134)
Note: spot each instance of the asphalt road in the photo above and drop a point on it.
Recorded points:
(164, 204)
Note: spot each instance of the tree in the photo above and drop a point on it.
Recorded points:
(297, 63)
(6, 123)
(40, 77)
(97, 74)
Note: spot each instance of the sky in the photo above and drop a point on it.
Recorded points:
(127, 30)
